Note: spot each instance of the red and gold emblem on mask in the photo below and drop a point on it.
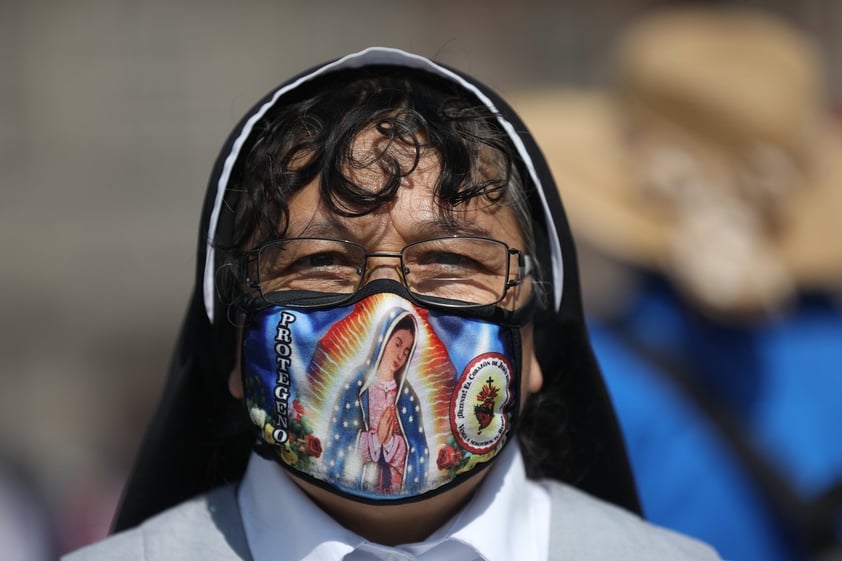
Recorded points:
(484, 411)
(479, 414)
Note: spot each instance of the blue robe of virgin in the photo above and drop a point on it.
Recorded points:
(342, 458)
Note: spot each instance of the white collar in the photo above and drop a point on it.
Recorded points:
(508, 517)
(282, 522)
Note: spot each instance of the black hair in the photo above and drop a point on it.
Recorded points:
(312, 138)
(407, 322)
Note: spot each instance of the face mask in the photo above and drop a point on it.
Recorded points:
(380, 399)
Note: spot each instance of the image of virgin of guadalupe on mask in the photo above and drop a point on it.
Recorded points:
(378, 430)
(381, 399)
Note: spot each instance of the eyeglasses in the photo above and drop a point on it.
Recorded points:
(453, 271)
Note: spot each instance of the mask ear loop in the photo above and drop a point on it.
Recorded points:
(239, 310)
(231, 291)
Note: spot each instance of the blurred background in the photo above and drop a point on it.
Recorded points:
(111, 115)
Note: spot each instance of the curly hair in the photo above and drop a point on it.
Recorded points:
(313, 137)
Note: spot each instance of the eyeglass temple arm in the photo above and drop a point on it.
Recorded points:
(245, 260)
(524, 267)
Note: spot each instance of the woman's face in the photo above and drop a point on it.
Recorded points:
(396, 353)
(414, 215)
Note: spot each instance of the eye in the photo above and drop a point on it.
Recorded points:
(310, 264)
(445, 258)
(463, 268)
(449, 262)
(323, 260)
(298, 263)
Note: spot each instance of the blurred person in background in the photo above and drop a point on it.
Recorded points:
(27, 525)
(378, 186)
(705, 189)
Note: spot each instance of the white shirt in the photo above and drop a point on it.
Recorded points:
(507, 518)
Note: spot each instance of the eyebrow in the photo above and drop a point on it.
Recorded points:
(336, 228)
(446, 226)
(327, 228)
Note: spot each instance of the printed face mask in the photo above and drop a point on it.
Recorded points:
(380, 400)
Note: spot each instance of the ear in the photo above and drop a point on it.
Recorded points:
(235, 382)
(535, 378)
(235, 378)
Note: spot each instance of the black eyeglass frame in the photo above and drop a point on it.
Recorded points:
(524, 266)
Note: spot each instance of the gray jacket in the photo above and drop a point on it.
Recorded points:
(209, 528)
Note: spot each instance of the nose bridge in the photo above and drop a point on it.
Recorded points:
(383, 265)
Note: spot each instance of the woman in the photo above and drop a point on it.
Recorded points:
(382, 444)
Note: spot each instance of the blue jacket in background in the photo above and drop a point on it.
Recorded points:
(734, 432)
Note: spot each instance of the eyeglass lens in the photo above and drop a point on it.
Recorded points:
(464, 269)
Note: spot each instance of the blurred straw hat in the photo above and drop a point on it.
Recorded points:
(714, 158)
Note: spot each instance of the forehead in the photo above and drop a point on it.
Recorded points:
(402, 333)
(412, 215)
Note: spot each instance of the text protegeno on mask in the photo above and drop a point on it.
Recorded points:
(380, 400)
